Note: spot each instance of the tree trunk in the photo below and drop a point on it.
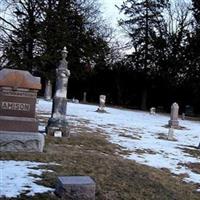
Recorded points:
(144, 100)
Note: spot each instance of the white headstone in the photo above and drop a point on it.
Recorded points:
(102, 102)
(152, 111)
(170, 134)
(48, 90)
(173, 122)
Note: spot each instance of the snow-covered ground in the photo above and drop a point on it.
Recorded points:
(17, 177)
(140, 133)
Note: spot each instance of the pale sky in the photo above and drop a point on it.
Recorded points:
(111, 13)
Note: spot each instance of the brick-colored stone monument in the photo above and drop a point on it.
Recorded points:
(18, 123)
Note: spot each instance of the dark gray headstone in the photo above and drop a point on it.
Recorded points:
(75, 188)
(189, 111)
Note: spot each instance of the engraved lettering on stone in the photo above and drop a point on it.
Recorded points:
(15, 106)
(18, 94)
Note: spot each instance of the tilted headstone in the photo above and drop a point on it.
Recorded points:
(170, 134)
(152, 111)
(75, 187)
(48, 90)
(84, 97)
(58, 121)
(173, 122)
(102, 102)
(18, 123)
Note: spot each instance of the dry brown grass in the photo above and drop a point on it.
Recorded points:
(116, 178)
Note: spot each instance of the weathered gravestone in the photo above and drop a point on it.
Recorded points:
(189, 110)
(173, 122)
(75, 188)
(152, 111)
(171, 134)
(84, 97)
(57, 124)
(102, 102)
(48, 90)
(18, 124)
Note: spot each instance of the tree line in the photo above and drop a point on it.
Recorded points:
(164, 38)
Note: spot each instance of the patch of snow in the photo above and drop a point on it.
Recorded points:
(146, 129)
(17, 177)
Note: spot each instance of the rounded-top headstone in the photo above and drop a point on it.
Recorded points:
(19, 79)
(173, 122)
(174, 111)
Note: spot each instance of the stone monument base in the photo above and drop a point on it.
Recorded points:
(21, 142)
(75, 187)
(101, 110)
(57, 128)
(173, 123)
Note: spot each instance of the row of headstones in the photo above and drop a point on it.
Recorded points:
(18, 96)
(172, 124)
(48, 94)
(18, 92)
(19, 126)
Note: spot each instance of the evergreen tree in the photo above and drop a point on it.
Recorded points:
(143, 23)
(43, 28)
(21, 47)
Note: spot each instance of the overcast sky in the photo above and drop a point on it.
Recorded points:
(111, 13)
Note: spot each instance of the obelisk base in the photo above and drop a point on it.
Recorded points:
(57, 128)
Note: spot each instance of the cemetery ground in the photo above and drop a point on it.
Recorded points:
(124, 151)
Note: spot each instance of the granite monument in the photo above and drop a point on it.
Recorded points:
(18, 123)
(57, 124)
(173, 122)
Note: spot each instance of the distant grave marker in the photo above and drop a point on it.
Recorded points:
(48, 90)
(84, 97)
(102, 102)
(170, 134)
(152, 111)
(18, 124)
(173, 122)
(189, 110)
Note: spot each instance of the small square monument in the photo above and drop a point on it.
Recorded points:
(18, 123)
(75, 187)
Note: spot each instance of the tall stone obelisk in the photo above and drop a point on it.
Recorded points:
(57, 124)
